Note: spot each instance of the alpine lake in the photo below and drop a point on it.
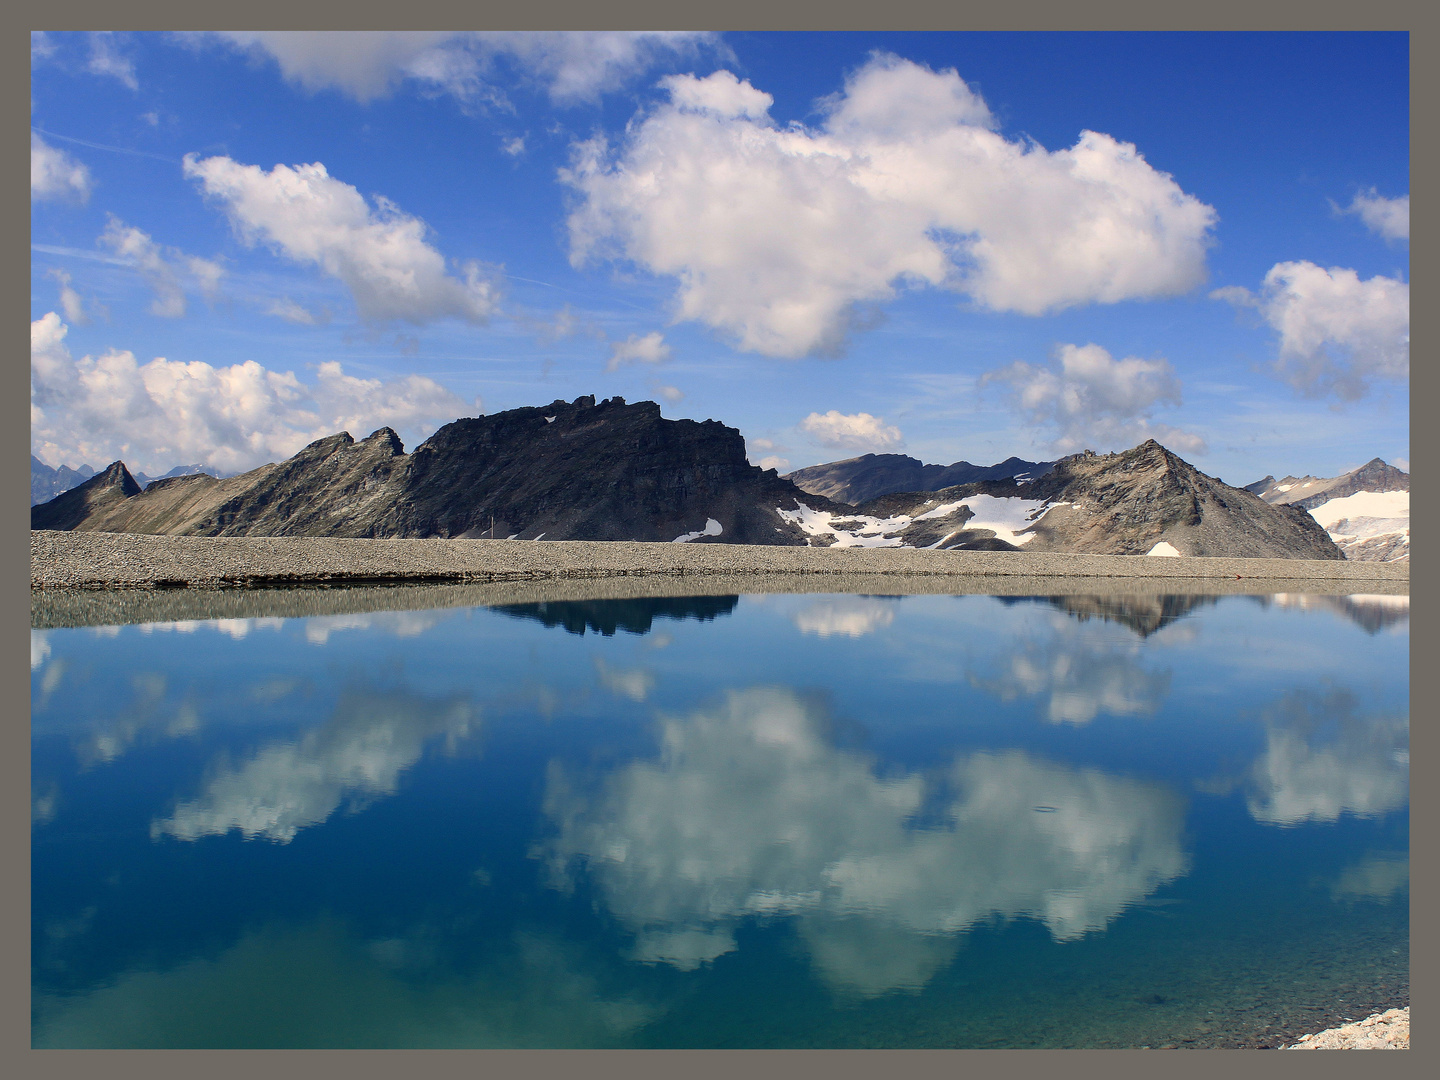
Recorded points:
(761, 820)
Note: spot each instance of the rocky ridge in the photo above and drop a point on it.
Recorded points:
(612, 471)
(567, 471)
(856, 480)
(1365, 511)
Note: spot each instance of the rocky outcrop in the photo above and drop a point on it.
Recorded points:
(568, 471)
(857, 480)
(1363, 511)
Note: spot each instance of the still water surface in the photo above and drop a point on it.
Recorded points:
(755, 821)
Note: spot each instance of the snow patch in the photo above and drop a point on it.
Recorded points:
(1376, 505)
(1005, 517)
(712, 528)
(1163, 548)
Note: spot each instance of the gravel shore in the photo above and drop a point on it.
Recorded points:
(131, 560)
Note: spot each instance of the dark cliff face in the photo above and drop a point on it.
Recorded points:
(583, 471)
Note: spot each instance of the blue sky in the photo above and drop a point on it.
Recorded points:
(836, 242)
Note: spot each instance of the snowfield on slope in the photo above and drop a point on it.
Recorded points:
(1365, 514)
(1005, 517)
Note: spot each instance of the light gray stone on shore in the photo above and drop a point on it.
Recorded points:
(134, 560)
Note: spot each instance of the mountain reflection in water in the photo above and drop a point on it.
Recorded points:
(607, 616)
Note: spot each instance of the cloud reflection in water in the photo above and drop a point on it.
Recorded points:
(751, 811)
(357, 755)
(1322, 759)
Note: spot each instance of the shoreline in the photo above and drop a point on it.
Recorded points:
(92, 560)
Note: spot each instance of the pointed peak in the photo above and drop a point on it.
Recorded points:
(386, 438)
(115, 474)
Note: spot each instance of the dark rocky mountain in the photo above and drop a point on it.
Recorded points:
(1138, 502)
(568, 471)
(46, 483)
(1365, 529)
(856, 480)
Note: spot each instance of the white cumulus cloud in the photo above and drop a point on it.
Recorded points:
(156, 415)
(1336, 331)
(54, 174)
(1088, 399)
(860, 431)
(572, 66)
(1388, 218)
(778, 235)
(380, 254)
(650, 349)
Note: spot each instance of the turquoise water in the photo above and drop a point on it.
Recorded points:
(757, 821)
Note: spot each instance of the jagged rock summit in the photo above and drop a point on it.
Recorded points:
(859, 479)
(1365, 511)
(577, 470)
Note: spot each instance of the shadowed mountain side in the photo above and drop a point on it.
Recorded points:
(856, 480)
(576, 471)
(634, 616)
